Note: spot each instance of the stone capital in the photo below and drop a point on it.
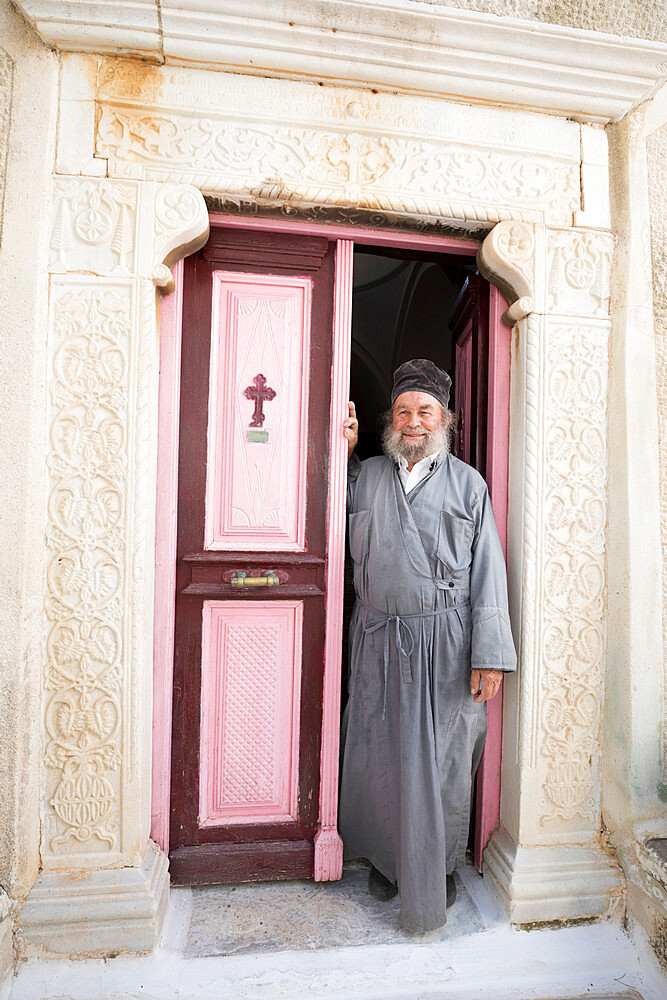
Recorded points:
(552, 271)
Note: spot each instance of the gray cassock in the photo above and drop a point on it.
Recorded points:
(431, 590)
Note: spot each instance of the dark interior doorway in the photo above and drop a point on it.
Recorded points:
(402, 307)
(405, 305)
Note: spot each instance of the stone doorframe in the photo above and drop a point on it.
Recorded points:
(138, 146)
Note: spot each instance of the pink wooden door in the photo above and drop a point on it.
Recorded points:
(249, 633)
(481, 399)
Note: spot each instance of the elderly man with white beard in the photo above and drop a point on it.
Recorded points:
(429, 643)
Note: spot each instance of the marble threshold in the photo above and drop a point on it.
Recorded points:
(307, 941)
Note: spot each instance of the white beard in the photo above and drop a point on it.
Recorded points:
(395, 446)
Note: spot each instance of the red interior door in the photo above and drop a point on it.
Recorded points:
(481, 399)
(250, 591)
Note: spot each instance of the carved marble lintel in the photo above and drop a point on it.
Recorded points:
(304, 145)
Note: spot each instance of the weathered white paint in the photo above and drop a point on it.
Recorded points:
(632, 789)
(28, 112)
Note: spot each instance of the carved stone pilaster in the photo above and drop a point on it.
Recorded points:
(110, 244)
(557, 282)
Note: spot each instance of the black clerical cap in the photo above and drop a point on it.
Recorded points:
(421, 375)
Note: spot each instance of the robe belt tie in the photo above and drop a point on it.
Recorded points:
(406, 651)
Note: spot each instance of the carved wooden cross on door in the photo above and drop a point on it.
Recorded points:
(259, 391)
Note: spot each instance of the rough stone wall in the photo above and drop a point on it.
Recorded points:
(636, 18)
(656, 149)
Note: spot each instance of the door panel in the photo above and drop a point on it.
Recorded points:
(256, 480)
(248, 665)
(251, 686)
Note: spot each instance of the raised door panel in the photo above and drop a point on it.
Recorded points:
(258, 407)
(251, 685)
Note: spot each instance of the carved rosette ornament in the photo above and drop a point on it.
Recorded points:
(103, 345)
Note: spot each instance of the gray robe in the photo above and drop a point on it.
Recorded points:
(431, 590)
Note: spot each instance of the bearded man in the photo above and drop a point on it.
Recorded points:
(429, 642)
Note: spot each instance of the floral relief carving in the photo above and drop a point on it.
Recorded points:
(324, 165)
(88, 467)
(94, 226)
(573, 620)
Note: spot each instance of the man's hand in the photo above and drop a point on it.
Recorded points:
(351, 429)
(490, 684)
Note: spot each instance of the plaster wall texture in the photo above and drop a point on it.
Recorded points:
(637, 18)
(28, 91)
(634, 711)
(28, 100)
(656, 150)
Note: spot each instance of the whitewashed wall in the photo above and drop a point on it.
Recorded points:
(28, 104)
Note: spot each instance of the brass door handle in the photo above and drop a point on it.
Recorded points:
(240, 579)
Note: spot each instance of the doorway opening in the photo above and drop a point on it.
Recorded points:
(402, 305)
(407, 304)
(407, 296)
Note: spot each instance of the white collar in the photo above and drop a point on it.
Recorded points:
(418, 466)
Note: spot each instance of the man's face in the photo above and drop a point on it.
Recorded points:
(418, 427)
(414, 414)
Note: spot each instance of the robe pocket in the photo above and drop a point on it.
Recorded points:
(358, 534)
(455, 541)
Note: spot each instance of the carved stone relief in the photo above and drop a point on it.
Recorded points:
(334, 146)
(301, 148)
(573, 640)
(87, 598)
(6, 97)
(102, 413)
(553, 277)
(578, 273)
(94, 226)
